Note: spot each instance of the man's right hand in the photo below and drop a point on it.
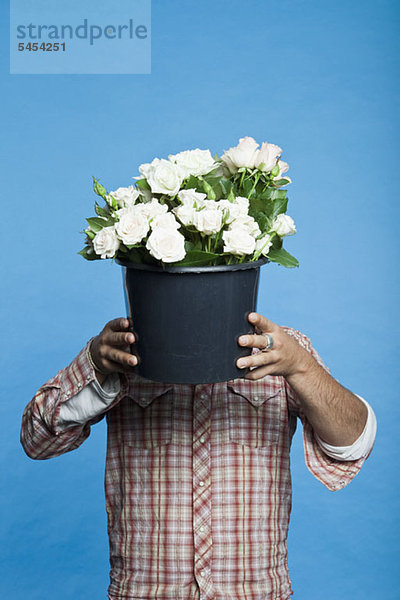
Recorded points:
(110, 349)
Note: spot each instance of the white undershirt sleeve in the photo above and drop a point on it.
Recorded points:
(90, 402)
(361, 447)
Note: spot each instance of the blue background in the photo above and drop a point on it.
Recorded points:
(317, 78)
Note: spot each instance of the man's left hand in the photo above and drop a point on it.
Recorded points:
(285, 357)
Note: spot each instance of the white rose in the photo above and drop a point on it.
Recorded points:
(208, 220)
(238, 241)
(242, 155)
(243, 204)
(192, 198)
(264, 244)
(283, 225)
(247, 223)
(190, 201)
(234, 210)
(106, 243)
(132, 226)
(166, 220)
(166, 244)
(267, 157)
(185, 213)
(163, 176)
(283, 168)
(194, 162)
(125, 196)
(153, 208)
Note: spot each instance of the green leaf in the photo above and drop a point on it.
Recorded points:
(134, 255)
(192, 183)
(189, 246)
(282, 257)
(279, 206)
(246, 188)
(102, 212)
(209, 190)
(276, 242)
(197, 258)
(226, 187)
(280, 182)
(263, 221)
(97, 223)
(90, 233)
(257, 205)
(88, 253)
(142, 184)
(271, 194)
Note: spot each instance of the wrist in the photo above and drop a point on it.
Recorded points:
(302, 366)
(99, 373)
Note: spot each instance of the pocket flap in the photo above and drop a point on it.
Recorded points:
(143, 391)
(260, 391)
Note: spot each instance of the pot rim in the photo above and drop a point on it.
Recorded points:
(207, 269)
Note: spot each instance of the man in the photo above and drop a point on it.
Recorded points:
(198, 489)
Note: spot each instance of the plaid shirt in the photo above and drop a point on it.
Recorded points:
(198, 488)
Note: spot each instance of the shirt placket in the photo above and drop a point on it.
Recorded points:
(202, 490)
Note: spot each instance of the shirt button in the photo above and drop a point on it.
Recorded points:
(201, 483)
(202, 528)
(202, 397)
(202, 439)
(203, 573)
(256, 398)
(79, 385)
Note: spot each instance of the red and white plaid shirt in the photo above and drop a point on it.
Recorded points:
(198, 488)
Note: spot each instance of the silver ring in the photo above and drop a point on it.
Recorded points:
(270, 342)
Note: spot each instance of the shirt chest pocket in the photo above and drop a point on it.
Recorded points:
(147, 420)
(255, 418)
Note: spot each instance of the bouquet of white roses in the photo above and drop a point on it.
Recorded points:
(195, 209)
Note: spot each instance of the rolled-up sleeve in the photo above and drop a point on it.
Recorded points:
(332, 473)
(42, 435)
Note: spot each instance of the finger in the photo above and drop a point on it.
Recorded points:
(124, 358)
(256, 360)
(253, 341)
(261, 323)
(260, 372)
(119, 338)
(120, 324)
(116, 367)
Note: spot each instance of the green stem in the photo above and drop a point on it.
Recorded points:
(242, 178)
(257, 177)
(259, 252)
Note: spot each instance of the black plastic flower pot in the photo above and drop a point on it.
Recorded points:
(187, 320)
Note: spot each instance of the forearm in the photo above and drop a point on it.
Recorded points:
(41, 437)
(91, 402)
(335, 413)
